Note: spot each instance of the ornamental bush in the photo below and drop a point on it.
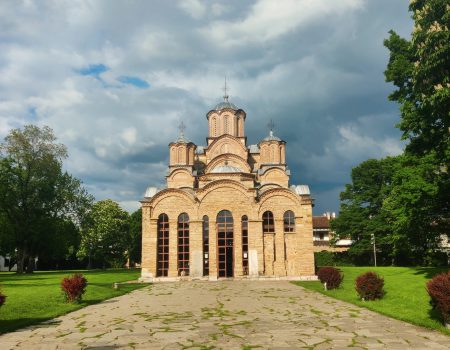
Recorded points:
(331, 276)
(369, 286)
(74, 287)
(2, 298)
(439, 290)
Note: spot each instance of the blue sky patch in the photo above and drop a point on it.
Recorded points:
(93, 69)
(135, 81)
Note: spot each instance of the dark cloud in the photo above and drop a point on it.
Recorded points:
(114, 80)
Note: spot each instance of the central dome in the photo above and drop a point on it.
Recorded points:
(226, 169)
(225, 104)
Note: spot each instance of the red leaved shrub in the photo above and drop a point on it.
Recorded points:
(369, 286)
(439, 290)
(74, 287)
(331, 276)
(2, 298)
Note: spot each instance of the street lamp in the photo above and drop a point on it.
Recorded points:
(372, 239)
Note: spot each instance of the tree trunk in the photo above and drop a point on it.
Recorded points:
(30, 265)
(21, 258)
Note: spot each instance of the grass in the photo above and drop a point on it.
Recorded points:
(37, 297)
(406, 298)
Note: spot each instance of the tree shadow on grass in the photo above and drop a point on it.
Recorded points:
(429, 272)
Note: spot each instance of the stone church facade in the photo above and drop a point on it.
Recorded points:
(228, 210)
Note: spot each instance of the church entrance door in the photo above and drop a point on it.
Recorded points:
(225, 244)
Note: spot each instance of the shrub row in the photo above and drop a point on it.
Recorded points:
(370, 286)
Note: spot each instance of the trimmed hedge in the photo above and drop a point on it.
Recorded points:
(369, 286)
(439, 290)
(331, 276)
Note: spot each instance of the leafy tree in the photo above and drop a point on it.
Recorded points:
(419, 68)
(361, 211)
(135, 239)
(412, 209)
(35, 192)
(105, 235)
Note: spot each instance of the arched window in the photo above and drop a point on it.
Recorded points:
(162, 246)
(226, 124)
(289, 221)
(268, 222)
(244, 222)
(183, 244)
(225, 251)
(214, 123)
(205, 246)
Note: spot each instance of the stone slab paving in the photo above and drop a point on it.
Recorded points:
(224, 315)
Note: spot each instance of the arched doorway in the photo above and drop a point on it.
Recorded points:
(225, 253)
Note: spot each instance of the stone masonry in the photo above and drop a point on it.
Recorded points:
(228, 210)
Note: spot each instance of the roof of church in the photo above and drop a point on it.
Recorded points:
(271, 137)
(225, 104)
(226, 169)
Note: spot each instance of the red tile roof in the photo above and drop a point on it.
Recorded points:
(321, 222)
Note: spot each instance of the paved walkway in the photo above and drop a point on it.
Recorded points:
(224, 315)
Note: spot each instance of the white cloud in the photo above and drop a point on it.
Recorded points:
(304, 63)
(268, 20)
(194, 8)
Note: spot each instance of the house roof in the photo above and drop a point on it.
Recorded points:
(321, 222)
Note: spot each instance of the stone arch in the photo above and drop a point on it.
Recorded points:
(232, 159)
(172, 193)
(235, 146)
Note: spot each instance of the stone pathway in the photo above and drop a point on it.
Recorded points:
(224, 315)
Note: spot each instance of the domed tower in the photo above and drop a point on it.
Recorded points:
(273, 168)
(226, 119)
(181, 163)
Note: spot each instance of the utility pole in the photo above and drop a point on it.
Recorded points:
(374, 249)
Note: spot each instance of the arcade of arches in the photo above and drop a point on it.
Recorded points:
(228, 210)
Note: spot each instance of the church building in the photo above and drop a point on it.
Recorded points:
(228, 210)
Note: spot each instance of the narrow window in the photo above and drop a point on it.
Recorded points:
(268, 222)
(205, 246)
(245, 244)
(183, 245)
(162, 246)
(289, 221)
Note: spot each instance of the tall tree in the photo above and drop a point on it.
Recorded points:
(34, 191)
(105, 235)
(419, 68)
(361, 211)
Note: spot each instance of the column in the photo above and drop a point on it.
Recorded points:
(173, 247)
(255, 248)
(280, 262)
(237, 243)
(195, 249)
(212, 249)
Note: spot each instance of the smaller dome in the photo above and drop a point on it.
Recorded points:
(226, 169)
(302, 190)
(225, 104)
(271, 137)
(150, 192)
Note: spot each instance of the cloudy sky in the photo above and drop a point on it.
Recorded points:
(115, 78)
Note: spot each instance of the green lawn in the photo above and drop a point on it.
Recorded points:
(406, 298)
(37, 297)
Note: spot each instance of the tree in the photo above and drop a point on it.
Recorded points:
(105, 235)
(135, 239)
(35, 192)
(361, 211)
(412, 209)
(419, 68)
